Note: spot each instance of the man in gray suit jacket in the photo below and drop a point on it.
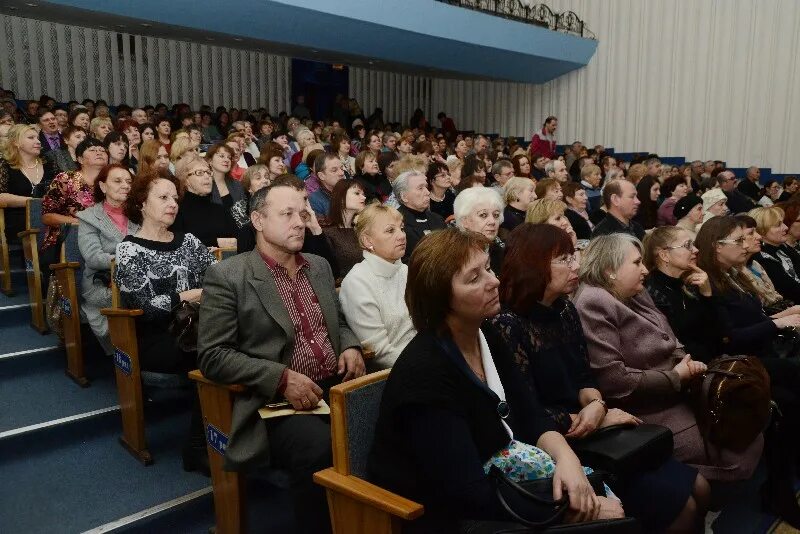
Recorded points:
(270, 319)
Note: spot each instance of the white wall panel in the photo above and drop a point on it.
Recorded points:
(706, 79)
(70, 62)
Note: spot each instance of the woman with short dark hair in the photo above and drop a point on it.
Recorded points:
(456, 391)
(156, 271)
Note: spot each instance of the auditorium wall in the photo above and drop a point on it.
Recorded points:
(706, 79)
(71, 62)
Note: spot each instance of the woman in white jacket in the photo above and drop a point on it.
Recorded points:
(373, 292)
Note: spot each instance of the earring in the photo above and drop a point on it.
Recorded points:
(371, 248)
(613, 276)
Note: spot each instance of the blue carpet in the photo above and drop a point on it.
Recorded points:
(19, 335)
(56, 396)
(77, 477)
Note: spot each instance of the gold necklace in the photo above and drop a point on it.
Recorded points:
(35, 164)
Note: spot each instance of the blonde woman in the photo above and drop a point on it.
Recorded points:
(100, 127)
(550, 211)
(372, 293)
(518, 193)
(22, 176)
(180, 148)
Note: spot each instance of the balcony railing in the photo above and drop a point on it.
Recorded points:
(538, 15)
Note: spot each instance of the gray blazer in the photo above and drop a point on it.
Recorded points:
(246, 337)
(97, 240)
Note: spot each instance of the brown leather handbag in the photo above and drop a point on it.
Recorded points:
(732, 402)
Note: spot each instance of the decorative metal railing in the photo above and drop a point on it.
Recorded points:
(538, 14)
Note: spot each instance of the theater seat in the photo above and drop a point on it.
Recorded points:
(68, 273)
(5, 258)
(31, 240)
(356, 505)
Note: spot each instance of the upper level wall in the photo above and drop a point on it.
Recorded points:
(704, 79)
(71, 62)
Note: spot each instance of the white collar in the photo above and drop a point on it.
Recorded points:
(381, 267)
(492, 378)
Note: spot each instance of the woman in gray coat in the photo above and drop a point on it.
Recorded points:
(639, 364)
(101, 228)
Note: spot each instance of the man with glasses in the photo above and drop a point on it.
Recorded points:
(737, 202)
(270, 319)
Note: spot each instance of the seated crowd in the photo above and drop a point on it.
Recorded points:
(504, 287)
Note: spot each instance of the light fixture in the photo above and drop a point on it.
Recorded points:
(237, 39)
(31, 4)
(146, 24)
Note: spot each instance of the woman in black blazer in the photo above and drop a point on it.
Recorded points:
(454, 398)
(576, 212)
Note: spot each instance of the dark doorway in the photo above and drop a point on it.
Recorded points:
(319, 83)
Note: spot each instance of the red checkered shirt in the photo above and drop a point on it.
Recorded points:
(312, 354)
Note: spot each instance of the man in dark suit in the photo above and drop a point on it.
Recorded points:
(49, 135)
(750, 186)
(738, 202)
(270, 319)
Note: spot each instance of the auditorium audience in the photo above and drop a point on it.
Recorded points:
(329, 171)
(736, 200)
(69, 193)
(153, 158)
(340, 145)
(647, 378)
(648, 191)
(750, 186)
(147, 132)
(117, 147)
(771, 301)
(376, 186)
(156, 271)
(255, 177)
(549, 188)
(23, 175)
(518, 193)
(439, 184)
(224, 189)
(791, 218)
(522, 166)
(102, 227)
(64, 159)
(552, 212)
(771, 193)
(590, 180)
(211, 223)
(445, 390)
(689, 213)
(622, 204)
(480, 209)
(100, 127)
(674, 189)
(715, 204)
(542, 328)
(271, 321)
(347, 201)
(411, 191)
(682, 291)
(80, 118)
(577, 213)
(789, 186)
(372, 292)
(780, 261)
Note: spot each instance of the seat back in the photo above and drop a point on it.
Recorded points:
(72, 253)
(33, 218)
(354, 413)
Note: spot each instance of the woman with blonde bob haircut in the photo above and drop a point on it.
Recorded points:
(372, 292)
(518, 193)
(548, 211)
(779, 260)
(648, 378)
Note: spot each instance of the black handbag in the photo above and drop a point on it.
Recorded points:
(183, 325)
(540, 492)
(625, 449)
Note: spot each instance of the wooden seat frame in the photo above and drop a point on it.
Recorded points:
(30, 248)
(357, 506)
(5, 258)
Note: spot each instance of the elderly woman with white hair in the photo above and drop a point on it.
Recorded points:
(411, 190)
(373, 292)
(480, 210)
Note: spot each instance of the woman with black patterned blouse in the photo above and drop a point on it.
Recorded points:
(157, 270)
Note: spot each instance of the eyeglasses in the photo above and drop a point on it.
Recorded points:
(200, 172)
(572, 259)
(739, 241)
(688, 245)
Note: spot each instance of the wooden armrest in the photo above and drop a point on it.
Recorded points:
(370, 494)
(197, 376)
(65, 265)
(120, 312)
(32, 231)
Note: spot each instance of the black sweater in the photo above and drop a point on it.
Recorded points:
(418, 224)
(579, 224)
(205, 220)
(745, 327)
(782, 265)
(693, 318)
(438, 425)
(376, 186)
